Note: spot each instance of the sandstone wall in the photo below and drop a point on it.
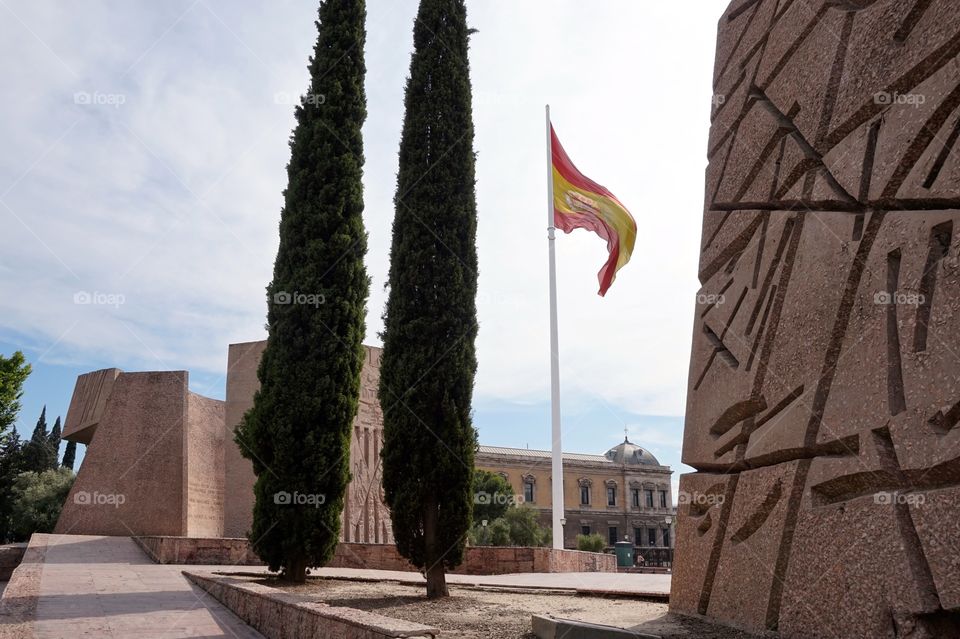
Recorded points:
(242, 383)
(132, 478)
(365, 516)
(824, 375)
(203, 468)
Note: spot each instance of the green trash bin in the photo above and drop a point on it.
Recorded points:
(624, 551)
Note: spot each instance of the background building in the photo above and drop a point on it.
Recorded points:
(623, 494)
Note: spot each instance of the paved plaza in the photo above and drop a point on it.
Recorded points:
(95, 586)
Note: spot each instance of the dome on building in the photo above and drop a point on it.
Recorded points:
(630, 454)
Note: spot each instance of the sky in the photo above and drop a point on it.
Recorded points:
(144, 152)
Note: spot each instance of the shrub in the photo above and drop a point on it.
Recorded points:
(591, 543)
(38, 499)
(519, 526)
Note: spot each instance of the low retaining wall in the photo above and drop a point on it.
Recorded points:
(213, 551)
(10, 557)
(18, 605)
(484, 560)
(480, 560)
(279, 615)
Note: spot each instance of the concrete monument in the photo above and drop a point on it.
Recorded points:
(162, 461)
(154, 458)
(366, 517)
(825, 376)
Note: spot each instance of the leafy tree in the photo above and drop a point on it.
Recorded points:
(55, 436)
(500, 533)
(298, 432)
(430, 321)
(38, 499)
(492, 496)
(69, 455)
(11, 465)
(525, 528)
(38, 454)
(519, 526)
(591, 543)
(13, 373)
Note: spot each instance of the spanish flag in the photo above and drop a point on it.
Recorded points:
(581, 203)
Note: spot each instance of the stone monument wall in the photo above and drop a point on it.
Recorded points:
(825, 369)
(242, 383)
(366, 517)
(150, 461)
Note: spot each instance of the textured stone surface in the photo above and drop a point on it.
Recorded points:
(88, 403)
(824, 375)
(152, 466)
(242, 383)
(18, 605)
(477, 561)
(280, 615)
(106, 588)
(162, 461)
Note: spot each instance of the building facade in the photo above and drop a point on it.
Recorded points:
(622, 495)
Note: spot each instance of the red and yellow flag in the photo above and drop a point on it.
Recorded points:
(581, 203)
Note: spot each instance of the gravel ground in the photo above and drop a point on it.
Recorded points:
(503, 614)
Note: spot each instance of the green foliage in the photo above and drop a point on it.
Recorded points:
(69, 455)
(13, 373)
(492, 496)
(38, 499)
(39, 454)
(525, 528)
(11, 465)
(591, 543)
(55, 435)
(519, 526)
(298, 432)
(430, 321)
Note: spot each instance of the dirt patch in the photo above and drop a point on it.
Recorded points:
(477, 613)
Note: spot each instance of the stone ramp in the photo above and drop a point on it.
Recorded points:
(93, 586)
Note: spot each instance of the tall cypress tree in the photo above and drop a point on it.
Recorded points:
(38, 454)
(54, 441)
(298, 432)
(69, 455)
(430, 322)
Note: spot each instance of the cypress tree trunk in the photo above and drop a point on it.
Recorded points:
(430, 322)
(298, 432)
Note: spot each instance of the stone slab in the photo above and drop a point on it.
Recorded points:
(545, 627)
(280, 615)
(824, 391)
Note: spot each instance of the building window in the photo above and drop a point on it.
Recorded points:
(635, 493)
(649, 495)
(584, 530)
(663, 499)
(611, 495)
(612, 533)
(651, 536)
(638, 536)
(666, 537)
(585, 496)
(528, 492)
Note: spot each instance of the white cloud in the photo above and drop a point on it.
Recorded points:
(173, 197)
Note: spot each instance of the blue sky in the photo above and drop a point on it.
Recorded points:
(144, 158)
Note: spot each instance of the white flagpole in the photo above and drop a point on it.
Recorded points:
(557, 466)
